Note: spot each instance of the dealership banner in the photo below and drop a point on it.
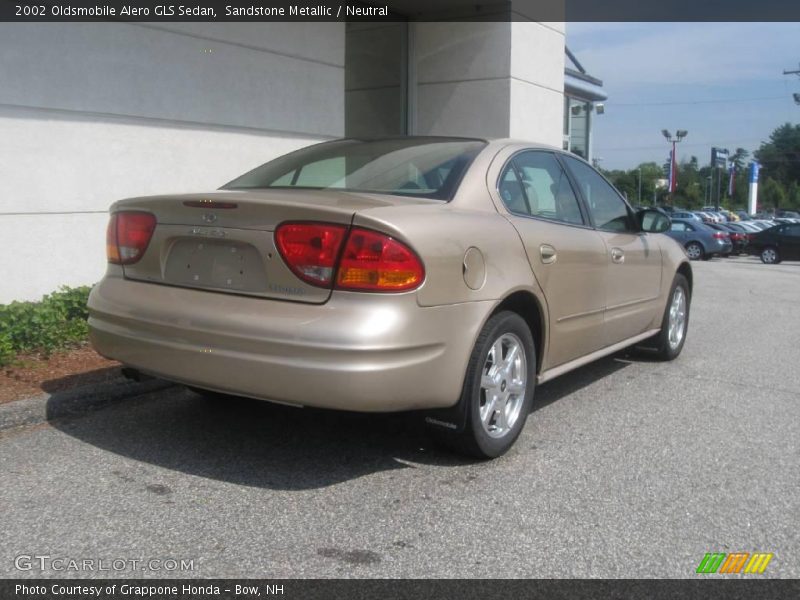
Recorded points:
(384, 589)
(399, 10)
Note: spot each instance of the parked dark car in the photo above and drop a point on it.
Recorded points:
(775, 244)
(700, 240)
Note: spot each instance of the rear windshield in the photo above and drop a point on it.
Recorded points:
(429, 167)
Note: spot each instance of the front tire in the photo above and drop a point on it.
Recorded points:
(498, 388)
(770, 256)
(675, 323)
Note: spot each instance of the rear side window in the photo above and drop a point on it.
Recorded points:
(534, 184)
(608, 209)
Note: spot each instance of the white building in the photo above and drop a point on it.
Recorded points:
(94, 112)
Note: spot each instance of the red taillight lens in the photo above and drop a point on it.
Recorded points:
(719, 235)
(128, 235)
(310, 249)
(375, 262)
(370, 261)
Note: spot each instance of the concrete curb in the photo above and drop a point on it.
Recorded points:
(75, 402)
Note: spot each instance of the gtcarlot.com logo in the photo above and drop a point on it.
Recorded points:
(736, 562)
(43, 562)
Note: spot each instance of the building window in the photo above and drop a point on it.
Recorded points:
(579, 115)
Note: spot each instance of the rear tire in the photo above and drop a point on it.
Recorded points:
(770, 256)
(695, 251)
(675, 323)
(498, 388)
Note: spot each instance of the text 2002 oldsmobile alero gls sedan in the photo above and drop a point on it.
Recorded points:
(447, 274)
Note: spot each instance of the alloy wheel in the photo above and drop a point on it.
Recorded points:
(503, 384)
(677, 318)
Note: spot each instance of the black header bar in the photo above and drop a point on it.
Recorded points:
(703, 587)
(394, 10)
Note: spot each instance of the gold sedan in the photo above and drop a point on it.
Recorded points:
(444, 274)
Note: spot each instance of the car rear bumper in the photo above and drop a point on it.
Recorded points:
(361, 352)
(720, 247)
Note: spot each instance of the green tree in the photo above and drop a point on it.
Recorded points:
(793, 196)
(690, 192)
(739, 158)
(625, 181)
(771, 195)
(780, 156)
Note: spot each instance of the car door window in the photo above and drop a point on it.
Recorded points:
(511, 192)
(608, 209)
(546, 190)
(677, 226)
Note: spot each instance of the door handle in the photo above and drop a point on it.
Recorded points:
(617, 256)
(548, 253)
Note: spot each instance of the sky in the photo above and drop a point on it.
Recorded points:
(722, 82)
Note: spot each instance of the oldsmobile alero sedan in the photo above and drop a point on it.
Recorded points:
(445, 274)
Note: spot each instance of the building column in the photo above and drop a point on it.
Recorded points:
(489, 79)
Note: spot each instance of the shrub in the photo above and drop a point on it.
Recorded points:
(57, 321)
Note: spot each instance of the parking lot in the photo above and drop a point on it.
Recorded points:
(626, 468)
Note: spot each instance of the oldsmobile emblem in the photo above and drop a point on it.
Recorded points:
(209, 217)
(207, 231)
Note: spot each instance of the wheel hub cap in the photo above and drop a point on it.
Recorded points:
(503, 384)
(677, 318)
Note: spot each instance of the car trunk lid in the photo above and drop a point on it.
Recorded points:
(224, 241)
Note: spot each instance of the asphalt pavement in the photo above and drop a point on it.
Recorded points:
(626, 468)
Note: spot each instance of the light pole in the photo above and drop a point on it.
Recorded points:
(673, 161)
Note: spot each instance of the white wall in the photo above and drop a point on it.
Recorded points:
(462, 75)
(487, 79)
(94, 112)
(537, 82)
(90, 113)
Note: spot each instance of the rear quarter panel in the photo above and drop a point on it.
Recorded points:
(442, 235)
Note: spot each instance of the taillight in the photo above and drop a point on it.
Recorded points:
(719, 235)
(128, 235)
(370, 261)
(311, 249)
(375, 262)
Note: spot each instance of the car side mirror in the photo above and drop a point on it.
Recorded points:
(653, 220)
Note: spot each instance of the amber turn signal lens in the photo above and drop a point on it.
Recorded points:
(128, 236)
